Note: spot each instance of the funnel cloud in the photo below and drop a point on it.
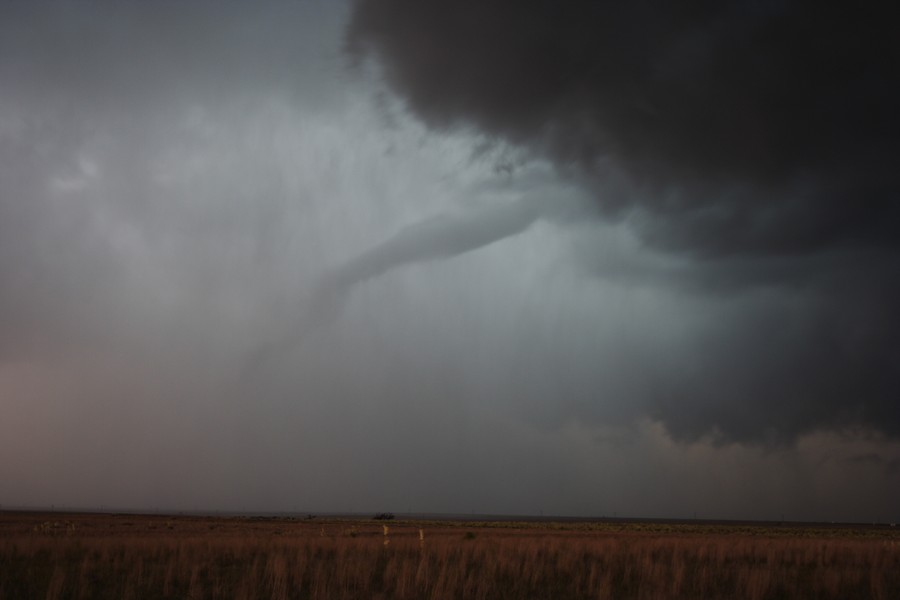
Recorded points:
(436, 238)
(440, 237)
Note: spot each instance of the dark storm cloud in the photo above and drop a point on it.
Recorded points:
(762, 126)
(758, 141)
(892, 466)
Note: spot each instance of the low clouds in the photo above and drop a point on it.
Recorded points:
(753, 144)
(441, 318)
(754, 127)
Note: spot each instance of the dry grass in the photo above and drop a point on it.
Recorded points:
(93, 556)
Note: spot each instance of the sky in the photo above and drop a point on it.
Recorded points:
(597, 259)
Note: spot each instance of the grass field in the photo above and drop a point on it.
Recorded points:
(56, 556)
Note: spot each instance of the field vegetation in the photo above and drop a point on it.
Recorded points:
(59, 556)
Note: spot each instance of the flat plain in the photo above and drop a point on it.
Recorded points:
(85, 555)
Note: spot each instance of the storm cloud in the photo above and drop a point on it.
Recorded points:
(316, 255)
(756, 141)
(745, 126)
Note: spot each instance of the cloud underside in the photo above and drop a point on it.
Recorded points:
(757, 142)
(156, 193)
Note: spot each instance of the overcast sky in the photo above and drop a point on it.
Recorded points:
(604, 259)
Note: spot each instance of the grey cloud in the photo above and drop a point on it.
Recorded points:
(778, 116)
(179, 183)
(890, 465)
(130, 88)
(752, 147)
(130, 56)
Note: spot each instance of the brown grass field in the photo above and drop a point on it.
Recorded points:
(93, 556)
